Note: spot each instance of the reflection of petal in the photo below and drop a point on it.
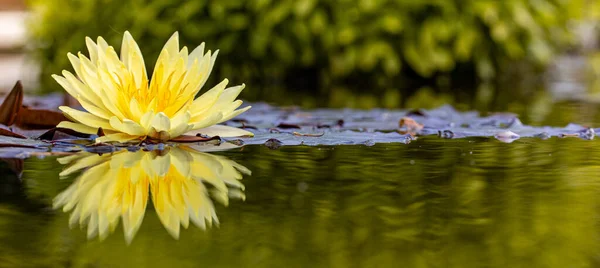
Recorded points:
(82, 163)
(117, 186)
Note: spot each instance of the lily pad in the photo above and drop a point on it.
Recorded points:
(294, 126)
(283, 126)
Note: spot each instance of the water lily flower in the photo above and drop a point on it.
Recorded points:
(120, 98)
(118, 185)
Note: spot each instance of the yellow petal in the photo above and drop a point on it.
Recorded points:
(95, 110)
(85, 118)
(132, 58)
(85, 162)
(127, 126)
(160, 165)
(78, 127)
(196, 54)
(92, 48)
(161, 122)
(207, 121)
(180, 124)
(235, 113)
(146, 119)
(180, 160)
(207, 100)
(229, 95)
(136, 110)
(116, 137)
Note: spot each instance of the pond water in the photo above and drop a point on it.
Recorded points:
(434, 202)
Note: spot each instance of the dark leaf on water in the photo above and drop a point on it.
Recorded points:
(11, 105)
(239, 120)
(13, 112)
(13, 145)
(288, 126)
(417, 112)
(54, 134)
(244, 125)
(38, 119)
(6, 132)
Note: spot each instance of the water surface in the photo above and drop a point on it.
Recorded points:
(430, 203)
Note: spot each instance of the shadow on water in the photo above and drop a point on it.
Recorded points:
(430, 203)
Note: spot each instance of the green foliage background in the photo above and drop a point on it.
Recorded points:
(319, 47)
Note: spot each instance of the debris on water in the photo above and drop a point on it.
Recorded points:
(133, 148)
(308, 134)
(248, 126)
(160, 146)
(273, 144)
(412, 127)
(507, 136)
(100, 132)
(543, 135)
(369, 143)
(407, 139)
(417, 112)
(587, 134)
(287, 126)
(44, 154)
(568, 135)
(237, 142)
(446, 134)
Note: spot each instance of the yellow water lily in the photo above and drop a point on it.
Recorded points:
(119, 97)
(118, 186)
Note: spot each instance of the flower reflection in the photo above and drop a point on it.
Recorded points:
(181, 181)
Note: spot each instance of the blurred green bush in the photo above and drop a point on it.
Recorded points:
(280, 46)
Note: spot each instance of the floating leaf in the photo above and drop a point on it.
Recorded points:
(6, 132)
(61, 133)
(38, 119)
(12, 112)
(11, 105)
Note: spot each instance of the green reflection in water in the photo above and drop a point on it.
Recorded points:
(431, 203)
